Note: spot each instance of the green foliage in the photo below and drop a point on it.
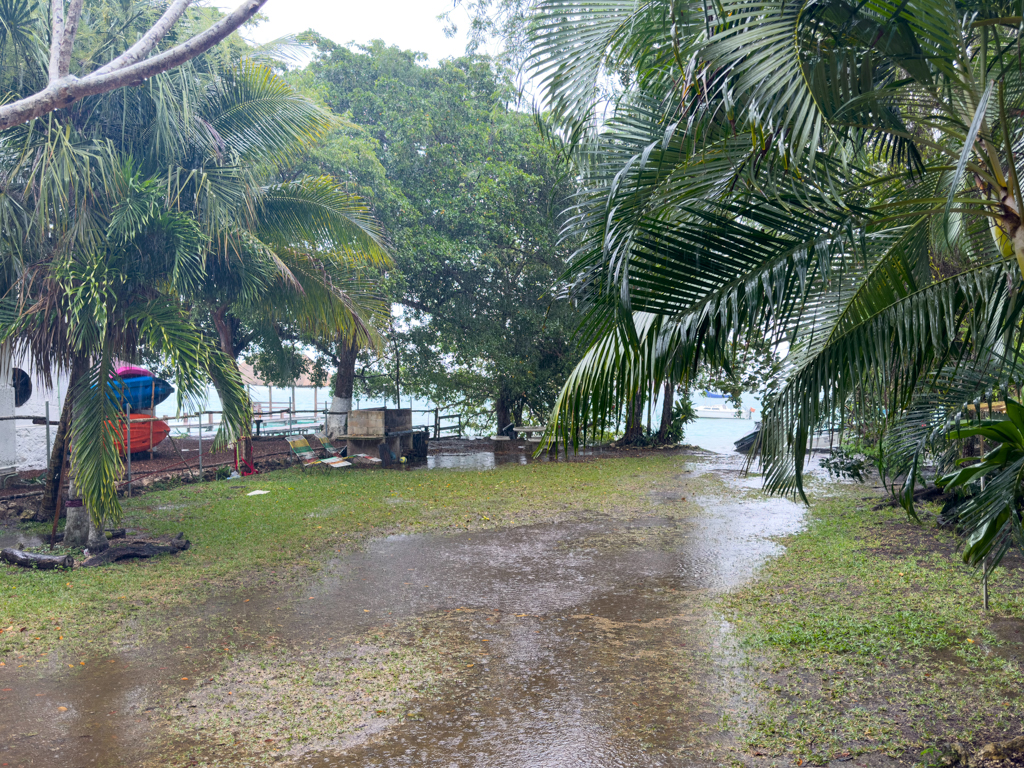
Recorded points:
(682, 414)
(839, 181)
(841, 463)
(470, 192)
(992, 514)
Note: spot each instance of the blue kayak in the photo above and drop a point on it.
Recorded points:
(141, 392)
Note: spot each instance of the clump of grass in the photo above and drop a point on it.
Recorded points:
(867, 635)
(292, 700)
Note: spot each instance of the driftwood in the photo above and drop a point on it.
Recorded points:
(138, 548)
(32, 560)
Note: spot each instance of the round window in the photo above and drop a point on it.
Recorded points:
(22, 387)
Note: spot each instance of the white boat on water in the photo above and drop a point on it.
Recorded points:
(717, 412)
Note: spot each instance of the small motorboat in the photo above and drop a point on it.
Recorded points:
(716, 412)
(750, 442)
(145, 434)
(141, 392)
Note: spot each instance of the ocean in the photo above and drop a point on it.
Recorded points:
(716, 435)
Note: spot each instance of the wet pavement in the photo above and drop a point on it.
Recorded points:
(585, 642)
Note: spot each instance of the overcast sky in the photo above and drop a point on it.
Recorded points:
(409, 24)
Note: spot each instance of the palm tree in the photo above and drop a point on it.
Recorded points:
(103, 285)
(841, 178)
(125, 209)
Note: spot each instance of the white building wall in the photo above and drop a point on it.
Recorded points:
(8, 450)
(31, 438)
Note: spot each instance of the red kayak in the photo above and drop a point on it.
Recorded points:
(142, 429)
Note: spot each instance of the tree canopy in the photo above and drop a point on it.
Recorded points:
(471, 198)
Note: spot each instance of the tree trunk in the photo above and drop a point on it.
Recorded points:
(666, 412)
(80, 530)
(54, 480)
(503, 411)
(634, 420)
(341, 404)
(225, 331)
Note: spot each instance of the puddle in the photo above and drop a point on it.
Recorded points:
(12, 537)
(587, 643)
(507, 453)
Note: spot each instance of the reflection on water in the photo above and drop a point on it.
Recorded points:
(489, 455)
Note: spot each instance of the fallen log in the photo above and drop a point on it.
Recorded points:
(138, 548)
(32, 560)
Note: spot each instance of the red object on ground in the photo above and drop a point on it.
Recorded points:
(141, 430)
(243, 453)
(132, 372)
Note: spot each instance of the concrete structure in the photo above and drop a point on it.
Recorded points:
(367, 429)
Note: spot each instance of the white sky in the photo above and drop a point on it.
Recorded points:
(409, 24)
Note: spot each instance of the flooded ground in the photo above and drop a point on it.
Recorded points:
(582, 642)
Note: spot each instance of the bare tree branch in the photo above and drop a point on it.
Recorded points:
(65, 90)
(148, 41)
(56, 38)
(67, 43)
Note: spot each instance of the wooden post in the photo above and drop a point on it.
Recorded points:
(200, 448)
(128, 443)
(48, 450)
(153, 409)
(984, 586)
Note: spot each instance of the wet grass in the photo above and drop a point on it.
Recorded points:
(868, 636)
(52, 619)
(314, 696)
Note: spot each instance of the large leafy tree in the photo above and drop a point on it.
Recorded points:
(842, 179)
(472, 205)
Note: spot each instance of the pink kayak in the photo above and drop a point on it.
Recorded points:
(131, 372)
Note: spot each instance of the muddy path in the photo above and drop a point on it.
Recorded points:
(582, 642)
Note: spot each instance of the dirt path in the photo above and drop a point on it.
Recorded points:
(587, 642)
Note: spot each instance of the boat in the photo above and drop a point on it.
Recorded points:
(145, 434)
(141, 392)
(749, 442)
(132, 372)
(716, 412)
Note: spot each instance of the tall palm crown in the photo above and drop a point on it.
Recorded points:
(839, 176)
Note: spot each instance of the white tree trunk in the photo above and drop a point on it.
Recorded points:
(337, 417)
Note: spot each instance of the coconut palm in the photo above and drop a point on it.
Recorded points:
(842, 178)
(126, 210)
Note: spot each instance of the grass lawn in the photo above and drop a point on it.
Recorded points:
(287, 533)
(868, 636)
